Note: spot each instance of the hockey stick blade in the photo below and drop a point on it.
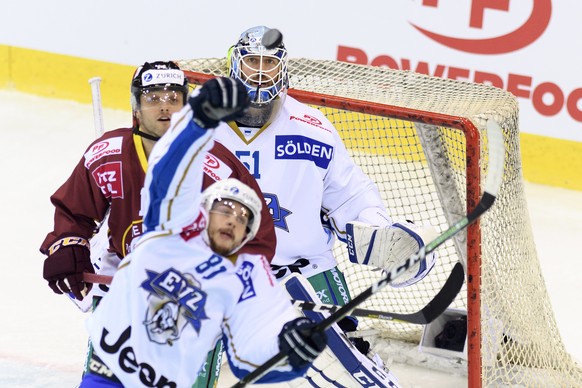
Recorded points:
(491, 188)
(427, 314)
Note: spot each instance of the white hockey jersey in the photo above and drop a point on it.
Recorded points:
(173, 298)
(304, 169)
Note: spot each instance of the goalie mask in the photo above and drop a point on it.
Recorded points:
(263, 72)
(229, 190)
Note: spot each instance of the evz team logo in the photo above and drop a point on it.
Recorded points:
(305, 148)
(176, 300)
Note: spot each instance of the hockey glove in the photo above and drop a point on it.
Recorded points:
(388, 247)
(68, 258)
(301, 343)
(350, 325)
(219, 99)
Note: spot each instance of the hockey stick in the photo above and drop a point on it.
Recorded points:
(95, 83)
(95, 278)
(491, 188)
(97, 106)
(427, 314)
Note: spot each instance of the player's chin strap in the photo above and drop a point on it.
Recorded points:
(137, 131)
(491, 188)
(145, 135)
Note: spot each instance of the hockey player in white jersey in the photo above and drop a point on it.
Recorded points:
(184, 285)
(314, 192)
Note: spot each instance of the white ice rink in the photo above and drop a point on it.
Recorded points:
(42, 337)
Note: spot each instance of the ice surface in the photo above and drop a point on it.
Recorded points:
(42, 335)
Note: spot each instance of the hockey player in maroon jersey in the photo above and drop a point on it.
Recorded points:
(104, 190)
(110, 176)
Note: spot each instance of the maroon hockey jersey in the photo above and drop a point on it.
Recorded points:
(110, 176)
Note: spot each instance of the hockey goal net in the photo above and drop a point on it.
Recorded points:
(423, 141)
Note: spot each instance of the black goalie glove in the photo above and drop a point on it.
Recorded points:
(301, 343)
(219, 99)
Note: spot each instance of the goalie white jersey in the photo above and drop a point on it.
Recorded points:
(173, 297)
(304, 169)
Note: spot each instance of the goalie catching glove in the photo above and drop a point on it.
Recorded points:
(387, 247)
(219, 99)
(68, 257)
(301, 343)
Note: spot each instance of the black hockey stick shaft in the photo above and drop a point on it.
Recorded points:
(427, 314)
(485, 203)
(491, 188)
(345, 310)
(367, 293)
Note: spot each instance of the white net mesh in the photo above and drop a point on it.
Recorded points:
(403, 137)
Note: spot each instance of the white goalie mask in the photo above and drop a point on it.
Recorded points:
(234, 190)
(263, 72)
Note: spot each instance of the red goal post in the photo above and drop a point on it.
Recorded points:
(423, 141)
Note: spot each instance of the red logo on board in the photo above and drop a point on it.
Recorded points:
(526, 34)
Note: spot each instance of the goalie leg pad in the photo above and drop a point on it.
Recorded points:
(341, 364)
(330, 287)
(388, 247)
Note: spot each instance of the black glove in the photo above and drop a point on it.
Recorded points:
(68, 258)
(349, 325)
(301, 343)
(219, 99)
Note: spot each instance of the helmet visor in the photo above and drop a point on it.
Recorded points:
(159, 95)
(232, 209)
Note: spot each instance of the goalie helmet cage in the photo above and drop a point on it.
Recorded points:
(423, 140)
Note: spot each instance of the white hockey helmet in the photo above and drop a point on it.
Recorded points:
(235, 190)
(266, 87)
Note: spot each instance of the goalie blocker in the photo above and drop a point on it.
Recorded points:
(384, 247)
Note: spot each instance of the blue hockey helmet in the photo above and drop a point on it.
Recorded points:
(263, 71)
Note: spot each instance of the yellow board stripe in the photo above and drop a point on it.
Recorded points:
(546, 160)
(65, 77)
(552, 161)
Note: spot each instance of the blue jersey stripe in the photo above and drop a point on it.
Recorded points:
(164, 172)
